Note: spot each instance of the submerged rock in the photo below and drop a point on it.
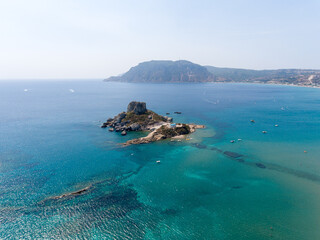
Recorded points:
(260, 165)
(199, 145)
(232, 154)
(170, 211)
(75, 193)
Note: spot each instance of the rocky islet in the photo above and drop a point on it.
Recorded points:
(139, 118)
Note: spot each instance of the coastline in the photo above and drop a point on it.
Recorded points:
(276, 84)
(154, 135)
(259, 83)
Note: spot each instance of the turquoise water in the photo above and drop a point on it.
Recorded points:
(51, 143)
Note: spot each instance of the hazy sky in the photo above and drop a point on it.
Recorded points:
(99, 38)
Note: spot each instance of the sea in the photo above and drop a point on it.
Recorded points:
(228, 181)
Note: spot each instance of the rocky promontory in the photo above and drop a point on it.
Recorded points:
(139, 118)
(185, 71)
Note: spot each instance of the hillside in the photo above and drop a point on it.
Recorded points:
(166, 71)
(185, 71)
(300, 77)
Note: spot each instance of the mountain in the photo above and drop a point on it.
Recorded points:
(166, 71)
(185, 71)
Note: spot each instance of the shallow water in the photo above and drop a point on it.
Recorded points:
(51, 144)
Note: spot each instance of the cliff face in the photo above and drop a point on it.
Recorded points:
(137, 107)
(137, 118)
(166, 71)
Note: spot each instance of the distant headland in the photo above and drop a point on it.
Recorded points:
(139, 118)
(187, 72)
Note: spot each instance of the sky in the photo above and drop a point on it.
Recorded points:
(81, 39)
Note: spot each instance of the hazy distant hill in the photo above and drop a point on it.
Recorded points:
(185, 71)
(238, 74)
(305, 77)
(166, 71)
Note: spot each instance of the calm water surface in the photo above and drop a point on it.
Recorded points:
(263, 187)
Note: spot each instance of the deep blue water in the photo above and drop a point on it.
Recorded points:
(51, 143)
